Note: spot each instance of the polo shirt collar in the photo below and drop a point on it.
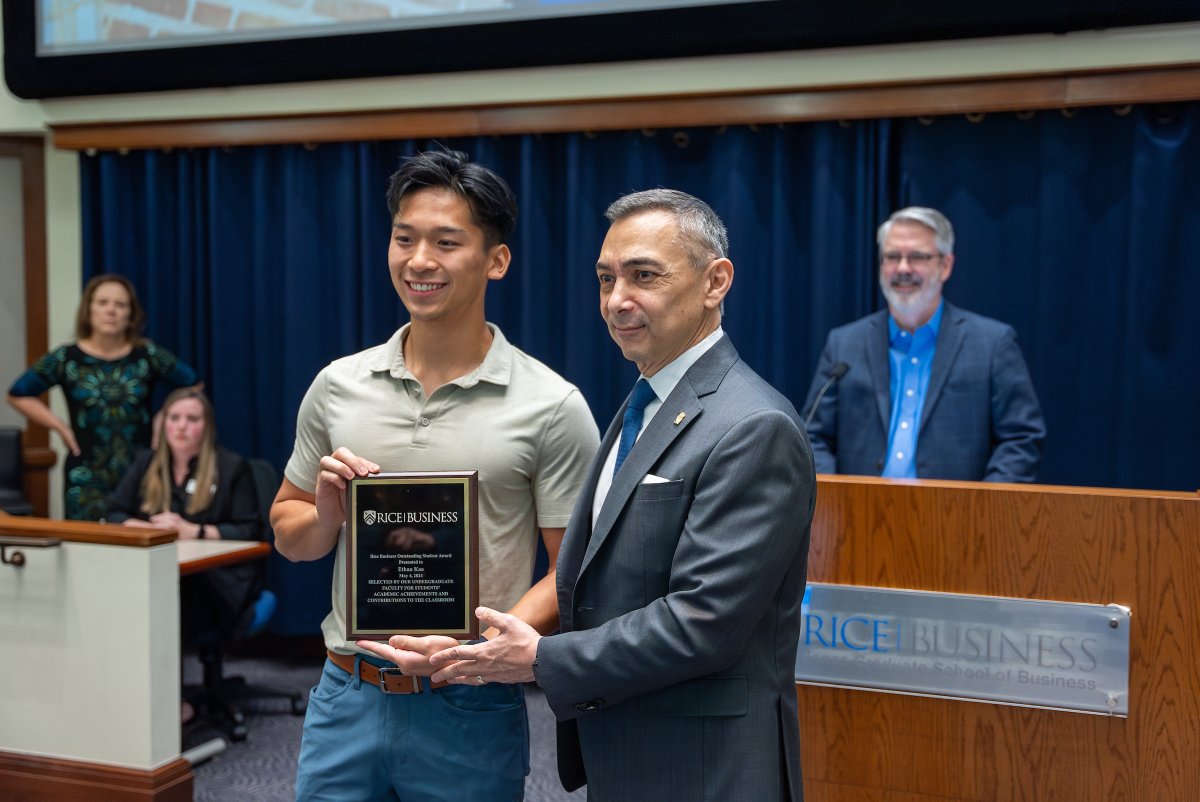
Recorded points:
(496, 367)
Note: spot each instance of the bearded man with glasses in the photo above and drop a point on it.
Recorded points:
(923, 389)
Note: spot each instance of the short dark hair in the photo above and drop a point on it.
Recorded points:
(701, 233)
(83, 315)
(493, 205)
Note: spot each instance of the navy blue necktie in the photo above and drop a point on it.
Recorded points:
(631, 424)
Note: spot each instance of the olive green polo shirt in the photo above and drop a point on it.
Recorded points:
(526, 430)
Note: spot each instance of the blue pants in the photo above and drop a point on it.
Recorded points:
(458, 743)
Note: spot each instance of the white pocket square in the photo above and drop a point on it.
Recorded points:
(651, 479)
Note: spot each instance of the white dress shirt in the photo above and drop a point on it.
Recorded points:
(662, 383)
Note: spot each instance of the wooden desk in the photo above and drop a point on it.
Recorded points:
(202, 555)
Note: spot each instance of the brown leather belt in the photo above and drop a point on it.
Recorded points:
(388, 679)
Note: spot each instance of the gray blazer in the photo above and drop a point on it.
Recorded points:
(673, 676)
(981, 419)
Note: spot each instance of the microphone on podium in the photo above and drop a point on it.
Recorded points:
(839, 370)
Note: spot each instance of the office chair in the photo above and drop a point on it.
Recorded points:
(12, 470)
(220, 695)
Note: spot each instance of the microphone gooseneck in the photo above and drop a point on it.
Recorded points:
(839, 370)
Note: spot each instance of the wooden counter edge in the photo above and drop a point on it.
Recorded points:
(85, 532)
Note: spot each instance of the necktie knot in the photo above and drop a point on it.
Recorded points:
(631, 424)
(641, 396)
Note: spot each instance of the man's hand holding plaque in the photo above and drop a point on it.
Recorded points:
(507, 655)
(336, 472)
(410, 652)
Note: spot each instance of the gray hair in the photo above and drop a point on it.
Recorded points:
(701, 233)
(943, 232)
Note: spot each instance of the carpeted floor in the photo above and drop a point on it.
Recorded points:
(263, 767)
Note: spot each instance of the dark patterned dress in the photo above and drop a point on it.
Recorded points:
(109, 406)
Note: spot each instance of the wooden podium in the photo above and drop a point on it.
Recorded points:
(1136, 548)
(89, 663)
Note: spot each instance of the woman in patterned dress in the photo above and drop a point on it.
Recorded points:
(108, 376)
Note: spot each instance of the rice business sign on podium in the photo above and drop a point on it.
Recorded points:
(1058, 655)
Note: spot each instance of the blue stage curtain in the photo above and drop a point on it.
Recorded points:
(1080, 229)
(259, 265)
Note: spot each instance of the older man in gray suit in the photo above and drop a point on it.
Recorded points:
(930, 391)
(682, 570)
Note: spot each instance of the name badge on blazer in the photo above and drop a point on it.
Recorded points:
(190, 487)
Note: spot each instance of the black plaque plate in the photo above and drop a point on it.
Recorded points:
(412, 564)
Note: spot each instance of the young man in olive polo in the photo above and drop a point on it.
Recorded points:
(446, 392)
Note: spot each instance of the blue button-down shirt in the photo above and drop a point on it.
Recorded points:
(911, 356)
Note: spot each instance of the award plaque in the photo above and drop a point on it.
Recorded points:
(412, 555)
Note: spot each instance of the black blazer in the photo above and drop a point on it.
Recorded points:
(220, 600)
(233, 510)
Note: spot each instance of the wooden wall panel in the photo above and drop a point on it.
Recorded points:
(987, 94)
(38, 455)
(1065, 544)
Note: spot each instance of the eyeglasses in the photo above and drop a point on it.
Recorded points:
(914, 258)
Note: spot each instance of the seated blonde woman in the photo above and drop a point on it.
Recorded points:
(190, 484)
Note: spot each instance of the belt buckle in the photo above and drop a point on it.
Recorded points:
(394, 671)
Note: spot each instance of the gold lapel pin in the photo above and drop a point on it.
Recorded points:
(680, 417)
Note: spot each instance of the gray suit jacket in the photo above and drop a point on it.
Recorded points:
(673, 676)
(981, 419)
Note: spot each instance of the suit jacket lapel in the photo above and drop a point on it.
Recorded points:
(701, 379)
(880, 367)
(949, 343)
(580, 527)
(661, 432)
